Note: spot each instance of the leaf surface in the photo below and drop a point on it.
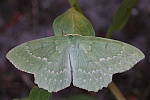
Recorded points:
(72, 22)
(39, 94)
(121, 17)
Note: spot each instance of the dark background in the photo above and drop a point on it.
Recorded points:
(24, 20)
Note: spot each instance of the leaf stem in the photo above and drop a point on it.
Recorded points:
(115, 91)
(74, 3)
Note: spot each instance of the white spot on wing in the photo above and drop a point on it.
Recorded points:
(114, 57)
(109, 58)
(109, 69)
(121, 52)
(61, 72)
(33, 56)
(84, 71)
(96, 62)
(44, 59)
(38, 57)
(80, 70)
(84, 80)
(65, 70)
(73, 46)
(52, 72)
(102, 59)
(57, 48)
(104, 74)
(93, 71)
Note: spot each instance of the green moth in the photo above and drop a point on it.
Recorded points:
(87, 61)
(82, 59)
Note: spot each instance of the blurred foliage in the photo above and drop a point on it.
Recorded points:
(121, 17)
(39, 94)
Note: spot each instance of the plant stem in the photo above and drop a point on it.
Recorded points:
(74, 3)
(115, 91)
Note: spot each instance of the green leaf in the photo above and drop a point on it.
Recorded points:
(74, 3)
(39, 94)
(81, 97)
(121, 17)
(72, 22)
